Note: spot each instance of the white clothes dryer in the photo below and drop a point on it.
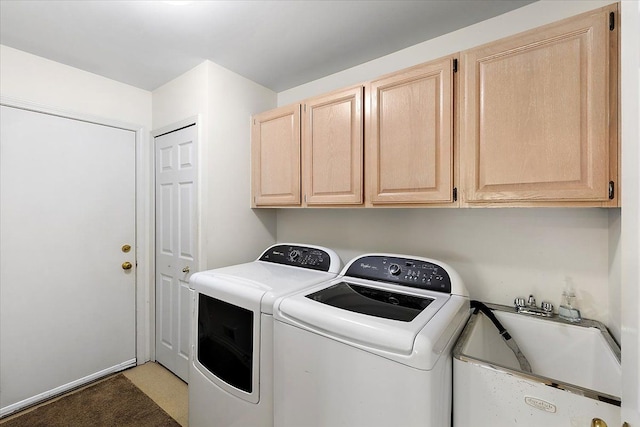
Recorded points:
(371, 347)
(231, 369)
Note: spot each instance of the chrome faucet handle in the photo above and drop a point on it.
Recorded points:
(531, 302)
(545, 309)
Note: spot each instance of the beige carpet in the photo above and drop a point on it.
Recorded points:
(115, 401)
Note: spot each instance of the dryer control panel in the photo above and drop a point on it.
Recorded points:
(298, 256)
(402, 271)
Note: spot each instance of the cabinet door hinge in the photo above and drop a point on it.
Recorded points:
(612, 21)
(611, 190)
(455, 194)
(455, 65)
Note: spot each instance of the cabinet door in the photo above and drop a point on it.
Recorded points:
(275, 157)
(410, 140)
(332, 142)
(536, 113)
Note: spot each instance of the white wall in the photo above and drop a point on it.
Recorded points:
(181, 98)
(501, 253)
(34, 79)
(237, 233)
(41, 83)
(630, 221)
(231, 232)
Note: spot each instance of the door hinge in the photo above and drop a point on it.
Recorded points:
(611, 190)
(455, 194)
(455, 65)
(612, 21)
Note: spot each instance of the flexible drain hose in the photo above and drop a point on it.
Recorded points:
(508, 339)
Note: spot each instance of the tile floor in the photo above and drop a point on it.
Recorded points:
(166, 389)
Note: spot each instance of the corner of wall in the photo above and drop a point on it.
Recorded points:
(236, 232)
(615, 268)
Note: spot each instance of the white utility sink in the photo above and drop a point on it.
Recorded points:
(575, 378)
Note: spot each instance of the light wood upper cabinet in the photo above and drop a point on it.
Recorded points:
(409, 143)
(275, 157)
(332, 141)
(538, 115)
(536, 125)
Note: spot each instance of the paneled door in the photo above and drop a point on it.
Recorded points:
(176, 245)
(67, 254)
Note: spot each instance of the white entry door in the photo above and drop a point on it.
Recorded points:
(67, 208)
(176, 246)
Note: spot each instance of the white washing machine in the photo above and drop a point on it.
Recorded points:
(371, 347)
(231, 372)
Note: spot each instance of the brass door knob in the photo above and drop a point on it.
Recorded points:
(186, 269)
(597, 422)
(126, 265)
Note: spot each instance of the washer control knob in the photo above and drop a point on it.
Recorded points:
(394, 269)
(294, 255)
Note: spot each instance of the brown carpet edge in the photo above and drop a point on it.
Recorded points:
(115, 401)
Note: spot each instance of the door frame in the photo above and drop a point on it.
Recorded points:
(200, 182)
(143, 223)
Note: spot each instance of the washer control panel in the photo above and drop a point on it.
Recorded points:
(402, 271)
(298, 256)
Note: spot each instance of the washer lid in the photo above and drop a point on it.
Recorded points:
(374, 302)
(418, 343)
(355, 321)
(256, 281)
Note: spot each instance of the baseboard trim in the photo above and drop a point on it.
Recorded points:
(34, 400)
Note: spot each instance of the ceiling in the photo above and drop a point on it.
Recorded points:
(279, 44)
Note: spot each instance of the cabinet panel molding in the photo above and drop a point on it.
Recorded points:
(275, 157)
(332, 141)
(409, 151)
(536, 112)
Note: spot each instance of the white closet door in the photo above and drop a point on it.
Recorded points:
(67, 207)
(176, 246)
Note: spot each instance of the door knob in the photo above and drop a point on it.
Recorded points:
(597, 422)
(186, 269)
(126, 265)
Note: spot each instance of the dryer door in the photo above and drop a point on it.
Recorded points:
(227, 344)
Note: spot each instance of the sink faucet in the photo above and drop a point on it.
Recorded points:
(545, 309)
